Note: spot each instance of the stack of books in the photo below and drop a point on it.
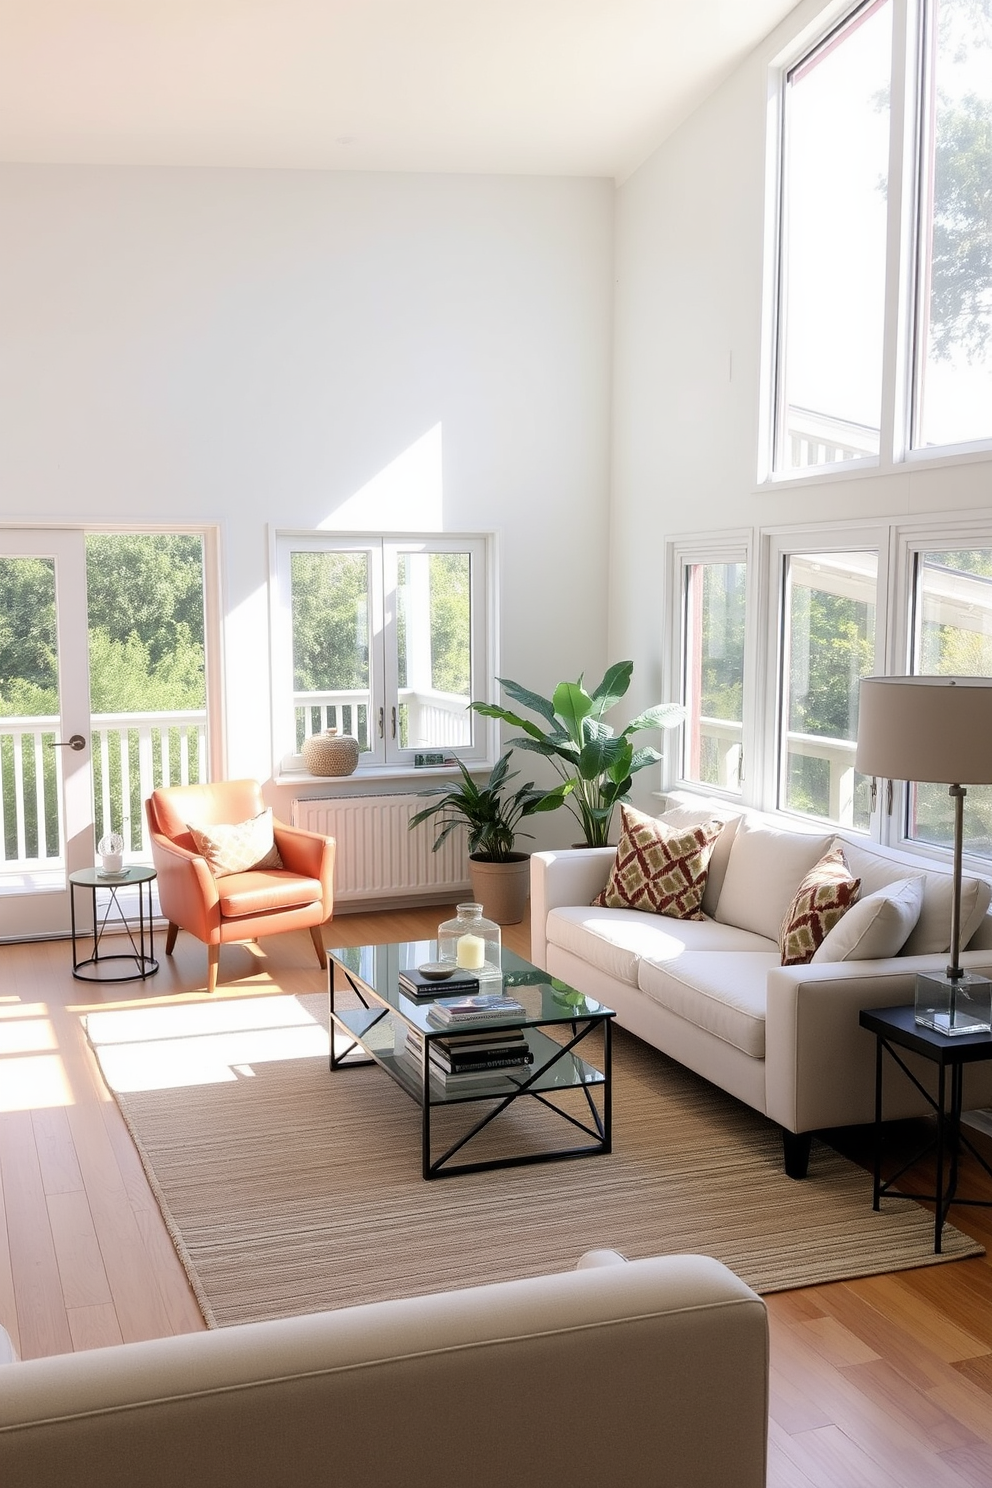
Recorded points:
(483, 1007)
(415, 984)
(472, 1061)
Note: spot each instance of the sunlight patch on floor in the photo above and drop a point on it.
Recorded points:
(33, 1082)
(204, 1043)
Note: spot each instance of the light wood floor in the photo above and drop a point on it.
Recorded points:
(885, 1381)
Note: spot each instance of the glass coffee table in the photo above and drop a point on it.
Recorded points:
(564, 1031)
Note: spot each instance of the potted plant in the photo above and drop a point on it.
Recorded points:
(500, 875)
(595, 764)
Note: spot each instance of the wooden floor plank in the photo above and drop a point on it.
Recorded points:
(77, 1250)
(94, 1327)
(56, 1153)
(42, 1327)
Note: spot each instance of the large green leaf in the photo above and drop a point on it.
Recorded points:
(613, 686)
(532, 700)
(661, 716)
(572, 704)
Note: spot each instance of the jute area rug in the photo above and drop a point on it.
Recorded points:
(289, 1190)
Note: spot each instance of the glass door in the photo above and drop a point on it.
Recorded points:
(46, 813)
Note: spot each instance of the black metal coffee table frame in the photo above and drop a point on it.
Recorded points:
(557, 1068)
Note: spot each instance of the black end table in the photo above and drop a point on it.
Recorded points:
(112, 918)
(897, 1026)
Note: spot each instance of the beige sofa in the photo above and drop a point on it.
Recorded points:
(647, 1373)
(713, 994)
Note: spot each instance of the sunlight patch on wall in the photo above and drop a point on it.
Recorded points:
(405, 496)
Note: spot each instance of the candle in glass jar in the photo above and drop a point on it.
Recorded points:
(471, 952)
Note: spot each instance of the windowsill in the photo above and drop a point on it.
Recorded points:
(373, 776)
(918, 459)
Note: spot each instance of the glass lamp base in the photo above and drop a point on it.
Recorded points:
(954, 1005)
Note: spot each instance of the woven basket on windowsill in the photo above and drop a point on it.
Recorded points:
(330, 753)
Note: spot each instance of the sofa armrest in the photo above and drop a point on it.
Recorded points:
(309, 854)
(819, 1061)
(573, 876)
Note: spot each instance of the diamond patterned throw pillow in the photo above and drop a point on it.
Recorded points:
(238, 847)
(660, 868)
(825, 894)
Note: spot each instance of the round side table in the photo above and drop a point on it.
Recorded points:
(113, 918)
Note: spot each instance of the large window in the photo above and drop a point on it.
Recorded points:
(713, 672)
(384, 639)
(884, 334)
(829, 644)
(952, 636)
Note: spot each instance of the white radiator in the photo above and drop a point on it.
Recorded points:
(378, 857)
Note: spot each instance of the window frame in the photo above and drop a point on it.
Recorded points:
(903, 348)
(386, 756)
(686, 553)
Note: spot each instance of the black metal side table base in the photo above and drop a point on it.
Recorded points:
(100, 966)
(892, 1026)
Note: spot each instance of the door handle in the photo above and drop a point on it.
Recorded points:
(76, 741)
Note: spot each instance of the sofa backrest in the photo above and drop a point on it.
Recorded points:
(603, 1375)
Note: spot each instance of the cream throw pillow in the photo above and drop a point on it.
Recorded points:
(238, 847)
(877, 927)
(765, 869)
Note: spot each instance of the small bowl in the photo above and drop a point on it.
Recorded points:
(437, 971)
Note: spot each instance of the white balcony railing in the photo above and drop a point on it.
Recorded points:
(132, 754)
(720, 763)
(428, 719)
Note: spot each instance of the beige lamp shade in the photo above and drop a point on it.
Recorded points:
(936, 729)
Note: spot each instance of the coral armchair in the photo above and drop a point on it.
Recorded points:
(235, 906)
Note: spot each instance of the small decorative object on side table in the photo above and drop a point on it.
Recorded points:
(901, 1026)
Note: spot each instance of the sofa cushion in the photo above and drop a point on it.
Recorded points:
(877, 926)
(615, 940)
(931, 935)
(765, 869)
(684, 814)
(658, 867)
(237, 847)
(722, 993)
(825, 894)
(265, 890)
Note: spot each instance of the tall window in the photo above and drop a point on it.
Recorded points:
(387, 640)
(878, 119)
(833, 231)
(954, 318)
(829, 644)
(713, 673)
(952, 636)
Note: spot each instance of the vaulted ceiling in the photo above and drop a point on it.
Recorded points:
(573, 87)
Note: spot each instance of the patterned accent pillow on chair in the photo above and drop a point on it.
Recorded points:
(660, 868)
(823, 897)
(238, 847)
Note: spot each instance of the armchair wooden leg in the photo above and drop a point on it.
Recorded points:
(318, 944)
(170, 939)
(213, 966)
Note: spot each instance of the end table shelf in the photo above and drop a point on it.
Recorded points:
(113, 918)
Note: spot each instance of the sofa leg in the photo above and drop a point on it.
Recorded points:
(170, 938)
(797, 1149)
(213, 966)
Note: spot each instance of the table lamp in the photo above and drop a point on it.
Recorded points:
(938, 730)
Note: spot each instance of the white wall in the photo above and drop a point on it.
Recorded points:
(687, 364)
(260, 347)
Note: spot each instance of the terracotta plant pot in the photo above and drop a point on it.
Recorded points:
(502, 888)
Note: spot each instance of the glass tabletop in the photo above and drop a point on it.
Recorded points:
(95, 878)
(545, 999)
